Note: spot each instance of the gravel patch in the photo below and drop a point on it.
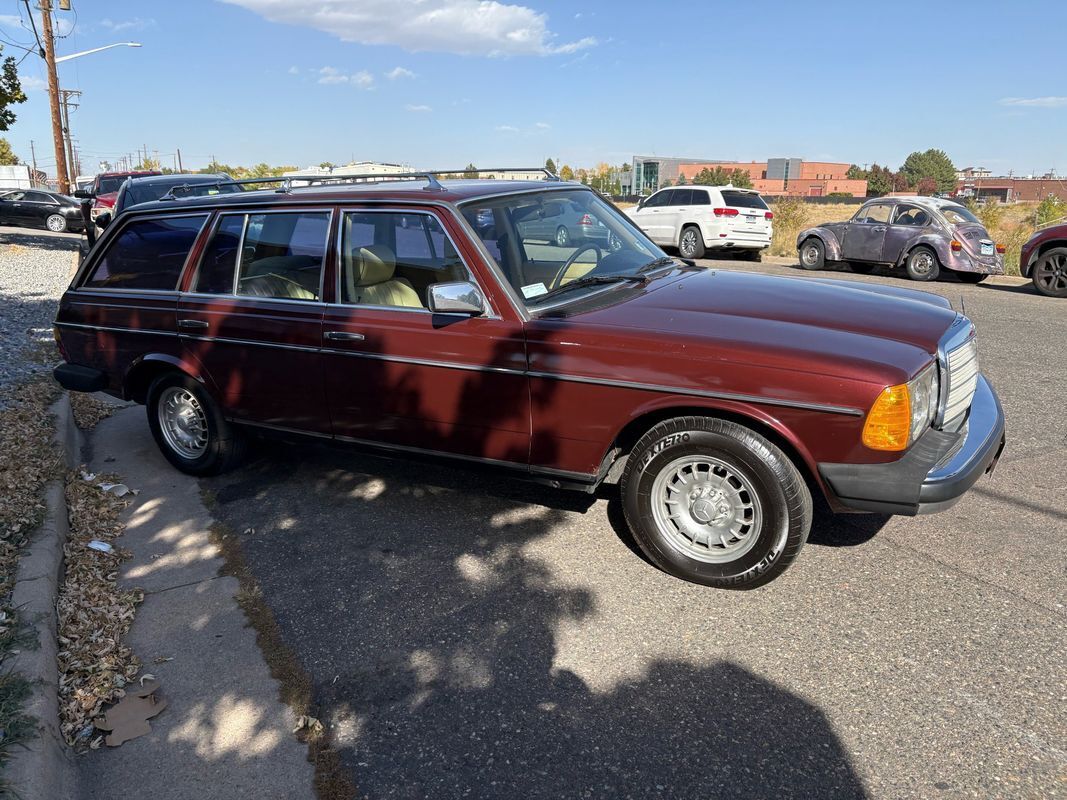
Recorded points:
(34, 272)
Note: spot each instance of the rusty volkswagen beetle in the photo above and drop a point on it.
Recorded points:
(922, 234)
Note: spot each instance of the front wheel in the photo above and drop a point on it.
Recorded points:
(715, 503)
(1050, 273)
(563, 238)
(971, 277)
(56, 223)
(189, 427)
(812, 254)
(691, 242)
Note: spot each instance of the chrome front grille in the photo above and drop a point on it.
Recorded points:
(961, 380)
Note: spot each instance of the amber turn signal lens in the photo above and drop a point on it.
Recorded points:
(889, 420)
(956, 245)
(1001, 249)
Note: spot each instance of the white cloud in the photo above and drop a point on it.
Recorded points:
(417, 108)
(136, 24)
(294, 70)
(31, 83)
(399, 72)
(1035, 102)
(331, 76)
(542, 125)
(465, 27)
(506, 129)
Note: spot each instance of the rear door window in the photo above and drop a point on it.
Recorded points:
(682, 197)
(282, 255)
(219, 261)
(148, 254)
(735, 199)
(700, 198)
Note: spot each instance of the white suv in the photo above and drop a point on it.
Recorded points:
(695, 218)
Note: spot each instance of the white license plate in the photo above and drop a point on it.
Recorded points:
(751, 219)
(987, 249)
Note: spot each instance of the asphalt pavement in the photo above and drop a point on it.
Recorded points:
(468, 635)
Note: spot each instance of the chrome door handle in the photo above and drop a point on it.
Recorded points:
(192, 323)
(344, 336)
(879, 227)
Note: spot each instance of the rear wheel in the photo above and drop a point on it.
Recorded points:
(563, 238)
(922, 264)
(691, 242)
(715, 503)
(1050, 273)
(56, 223)
(971, 277)
(812, 254)
(189, 427)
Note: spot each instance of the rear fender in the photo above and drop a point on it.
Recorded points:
(831, 245)
(935, 241)
(144, 370)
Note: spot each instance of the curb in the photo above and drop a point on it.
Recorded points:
(43, 768)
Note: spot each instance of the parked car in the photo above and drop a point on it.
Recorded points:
(391, 315)
(146, 189)
(1044, 260)
(923, 234)
(106, 187)
(699, 218)
(36, 208)
(566, 224)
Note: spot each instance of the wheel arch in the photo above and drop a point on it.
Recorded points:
(830, 245)
(930, 243)
(748, 416)
(147, 368)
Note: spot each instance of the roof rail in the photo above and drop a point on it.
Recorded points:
(289, 182)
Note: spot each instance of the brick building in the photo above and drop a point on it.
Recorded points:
(1011, 190)
(788, 177)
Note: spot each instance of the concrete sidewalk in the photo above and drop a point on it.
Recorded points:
(224, 732)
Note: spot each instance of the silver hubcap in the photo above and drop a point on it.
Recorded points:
(55, 223)
(561, 237)
(183, 422)
(922, 263)
(810, 256)
(689, 242)
(1051, 273)
(707, 509)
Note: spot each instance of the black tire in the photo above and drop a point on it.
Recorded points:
(563, 237)
(1049, 274)
(769, 479)
(922, 264)
(224, 445)
(971, 277)
(691, 246)
(812, 253)
(862, 267)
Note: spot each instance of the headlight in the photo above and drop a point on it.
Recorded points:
(902, 413)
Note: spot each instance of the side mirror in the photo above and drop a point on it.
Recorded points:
(460, 297)
(84, 194)
(103, 219)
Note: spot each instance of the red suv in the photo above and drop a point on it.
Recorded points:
(421, 317)
(106, 187)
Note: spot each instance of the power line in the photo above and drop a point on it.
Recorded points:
(33, 23)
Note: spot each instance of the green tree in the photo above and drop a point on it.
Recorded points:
(720, 176)
(10, 92)
(879, 181)
(327, 165)
(930, 164)
(7, 155)
(148, 164)
(471, 171)
(550, 165)
(856, 173)
(566, 173)
(681, 180)
(1049, 210)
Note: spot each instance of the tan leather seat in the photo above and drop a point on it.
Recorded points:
(370, 279)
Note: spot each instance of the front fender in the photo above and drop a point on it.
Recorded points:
(829, 240)
(935, 241)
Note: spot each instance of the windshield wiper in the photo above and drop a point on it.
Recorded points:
(593, 280)
(659, 262)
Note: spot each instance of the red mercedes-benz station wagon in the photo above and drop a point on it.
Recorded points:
(437, 317)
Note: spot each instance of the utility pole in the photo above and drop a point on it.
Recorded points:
(64, 99)
(180, 160)
(53, 95)
(33, 159)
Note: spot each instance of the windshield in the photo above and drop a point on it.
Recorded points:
(546, 241)
(153, 191)
(109, 185)
(958, 215)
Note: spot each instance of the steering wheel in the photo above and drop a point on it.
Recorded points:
(558, 280)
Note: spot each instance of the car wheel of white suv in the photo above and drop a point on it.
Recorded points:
(691, 242)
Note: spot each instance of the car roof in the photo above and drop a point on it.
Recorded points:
(446, 191)
(178, 178)
(935, 203)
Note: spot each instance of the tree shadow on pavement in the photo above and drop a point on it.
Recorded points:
(414, 596)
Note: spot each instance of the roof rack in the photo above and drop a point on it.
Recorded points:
(291, 181)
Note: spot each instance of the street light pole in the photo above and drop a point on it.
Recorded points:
(61, 59)
(53, 96)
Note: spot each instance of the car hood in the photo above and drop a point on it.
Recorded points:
(829, 327)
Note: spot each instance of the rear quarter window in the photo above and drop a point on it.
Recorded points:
(742, 199)
(147, 254)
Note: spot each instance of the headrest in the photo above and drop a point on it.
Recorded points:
(374, 264)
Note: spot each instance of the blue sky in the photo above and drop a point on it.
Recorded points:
(439, 83)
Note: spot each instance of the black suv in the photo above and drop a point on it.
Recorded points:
(135, 191)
